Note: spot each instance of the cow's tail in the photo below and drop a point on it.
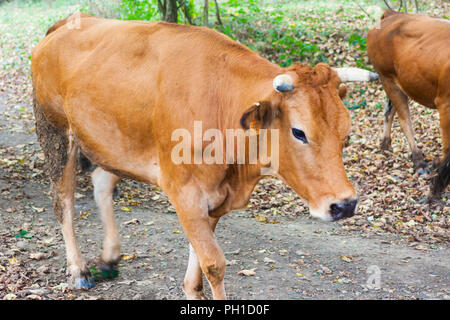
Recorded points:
(442, 179)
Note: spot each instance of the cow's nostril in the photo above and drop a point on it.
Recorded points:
(343, 209)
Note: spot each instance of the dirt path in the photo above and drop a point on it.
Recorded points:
(293, 259)
(297, 258)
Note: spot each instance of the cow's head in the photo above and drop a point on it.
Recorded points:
(306, 107)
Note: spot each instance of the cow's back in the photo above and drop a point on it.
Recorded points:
(135, 56)
(140, 81)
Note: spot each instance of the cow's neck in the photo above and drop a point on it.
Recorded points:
(237, 187)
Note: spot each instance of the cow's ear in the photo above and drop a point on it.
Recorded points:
(259, 115)
(342, 91)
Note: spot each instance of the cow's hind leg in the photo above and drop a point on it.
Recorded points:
(61, 161)
(389, 113)
(193, 280)
(104, 186)
(400, 102)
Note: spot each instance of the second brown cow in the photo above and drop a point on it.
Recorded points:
(411, 53)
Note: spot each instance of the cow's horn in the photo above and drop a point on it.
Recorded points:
(355, 74)
(283, 83)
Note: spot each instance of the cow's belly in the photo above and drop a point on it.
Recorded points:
(105, 143)
(123, 162)
(421, 92)
(417, 81)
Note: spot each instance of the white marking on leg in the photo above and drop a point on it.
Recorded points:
(193, 280)
(104, 183)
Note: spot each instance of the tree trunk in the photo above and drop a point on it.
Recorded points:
(205, 13)
(162, 7)
(172, 11)
(218, 13)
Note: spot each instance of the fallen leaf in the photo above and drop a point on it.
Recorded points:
(38, 210)
(37, 256)
(236, 252)
(61, 287)
(268, 260)
(260, 218)
(231, 262)
(24, 234)
(248, 273)
(127, 257)
(84, 214)
(9, 296)
(132, 221)
(326, 270)
(347, 258)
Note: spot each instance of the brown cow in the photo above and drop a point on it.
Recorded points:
(411, 53)
(120, 90)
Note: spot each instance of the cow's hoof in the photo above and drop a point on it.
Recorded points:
(420, 165)
(432, 198)
(386, 145)
(194, 292)
(104, 270)
(436, 162)
(195, 296)
(84, 282)
(109, 270)
(422, 171)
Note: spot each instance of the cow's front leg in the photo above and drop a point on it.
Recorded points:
(193, 280)
(192, 211)
(104, 184)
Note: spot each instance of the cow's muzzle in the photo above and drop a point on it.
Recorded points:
(343, 209)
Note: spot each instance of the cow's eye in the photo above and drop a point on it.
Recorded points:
(300, 135)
